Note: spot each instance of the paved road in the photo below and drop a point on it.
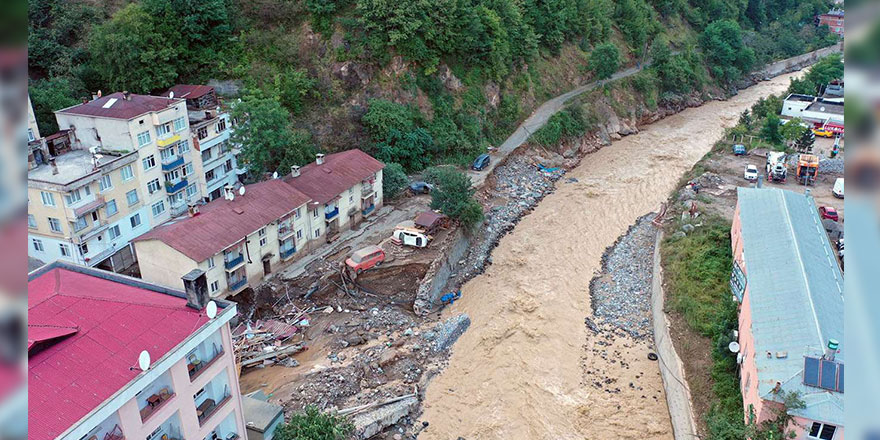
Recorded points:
(537, 120)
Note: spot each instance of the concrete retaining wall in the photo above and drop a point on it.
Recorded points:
(434, 283)
(798, 62)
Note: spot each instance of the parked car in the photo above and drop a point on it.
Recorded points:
(824, 132)
(739, 150)
(420, 187)
(829, 213)
(838, 188)
(751, 172)
(366, 258)
(482, 161)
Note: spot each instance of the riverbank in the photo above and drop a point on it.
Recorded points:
(520, 371)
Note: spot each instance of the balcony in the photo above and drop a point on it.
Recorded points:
(172, 163)
(155, 403)
(330, 215)
(179, 209)
(236, 285)
(368, 210)
(167, 140)
(197, 366)
(209, 407)
(285, 253)
(284, 231)
(233, 262)
(96, 228)
(173, 187)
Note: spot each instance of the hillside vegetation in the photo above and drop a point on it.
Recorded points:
(419, 82)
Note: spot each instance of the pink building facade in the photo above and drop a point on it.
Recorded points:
(189, 391)
(779, 335)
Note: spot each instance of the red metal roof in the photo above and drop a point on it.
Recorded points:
(428, 219)
(122, 108)
(189, 91)
(221, 223)
(115, 321)
(338, 173)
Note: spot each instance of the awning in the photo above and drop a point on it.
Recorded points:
(89, 207)
(368, 196)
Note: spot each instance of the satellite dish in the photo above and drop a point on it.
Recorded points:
(171, 94)
(211, 309)
(241, 191)
(733, 347)
(274, 175)
(144, 360)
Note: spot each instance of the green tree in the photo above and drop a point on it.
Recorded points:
(745, 119)
(770, 130)
(50, 95)
(793, 130)
(292, 88)
(57, 30)
(412, 149)
(393, 180)
(312, 424)
(129, 52)
(453, 195)
(804, 143)
(605, 60)
(636, 21)
(268, 143)
(820, 74)
(728, 57)
(383, 116)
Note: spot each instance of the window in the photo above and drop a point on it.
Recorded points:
(105, 183)
(132, 197)
(73, 197)
(172, 176)
(202, 133)
(48, 198)
(191, 190)
(206, 154)
(135, 220)
(32, 221)
(211, 263)
(84, 249)
(80, 224)
(262, 232)
(127, 173)
(158, 208)
(214, 286)
(111, 208)
(296, 213)
(54, 224)
(114, 232)
(822, 431)
(167, 153)
(317, 232)
(179, 124)
(315, 213)
(31, 136)
(38, 244)
(227, 167)
(209, 176)
(183, 147)
(263, 241)
(188, 169)
(299, 234)
(176, 198)
(221, 125)
(143, 138)
(65, 249)
(153, 186)
(163, 129)
(149, 162)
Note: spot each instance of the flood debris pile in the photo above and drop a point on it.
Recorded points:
(621, 292)
(519, 184)
(267, 342)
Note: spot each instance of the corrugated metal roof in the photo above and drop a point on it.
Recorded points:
(260, 414)
(795, 293)
(338, 173)
(189, 91)
(121, 108)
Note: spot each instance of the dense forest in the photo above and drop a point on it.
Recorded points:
(418, 82)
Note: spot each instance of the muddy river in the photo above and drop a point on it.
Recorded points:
(525, 368)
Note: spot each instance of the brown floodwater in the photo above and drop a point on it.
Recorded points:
(525, 368)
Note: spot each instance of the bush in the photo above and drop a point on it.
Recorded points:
(312, 424)
(728, 57)
(453, 195)
(50, 95)
(605, 60)
(394, 180)
(567, 124)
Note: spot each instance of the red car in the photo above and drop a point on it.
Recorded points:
(366, 258)
(828, 212)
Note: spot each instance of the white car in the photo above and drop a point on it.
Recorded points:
(751, 172)
(838, 188)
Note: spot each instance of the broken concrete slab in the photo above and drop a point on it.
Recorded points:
(371, 423)
(449, 332)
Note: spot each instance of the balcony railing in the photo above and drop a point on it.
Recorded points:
(173, 187)
(235, 285)
(167, 140)
(287, 252)
(197, 366)
(155, 402)
(232, 263)
(329, 215)
(172, 163)
(368, 210)
(284, 231)
(209, 407)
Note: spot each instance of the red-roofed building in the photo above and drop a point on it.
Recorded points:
(833, 19)
(235, 242)
(344, 187)
(87, 330)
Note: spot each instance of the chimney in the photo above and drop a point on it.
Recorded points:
(319, 158)
(195, 284)
(126, 95)
(294, 171)
(54, 166)
(831, 349)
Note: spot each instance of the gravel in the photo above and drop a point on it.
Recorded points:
(445, 334)
(621, 292)
(831, 166)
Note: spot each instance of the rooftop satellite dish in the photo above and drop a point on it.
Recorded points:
(275, 175)
(211, 310)
(241, 191)
(733, 347)
(144, 360)
(171, 94)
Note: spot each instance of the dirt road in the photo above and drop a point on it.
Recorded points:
(528, 368)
